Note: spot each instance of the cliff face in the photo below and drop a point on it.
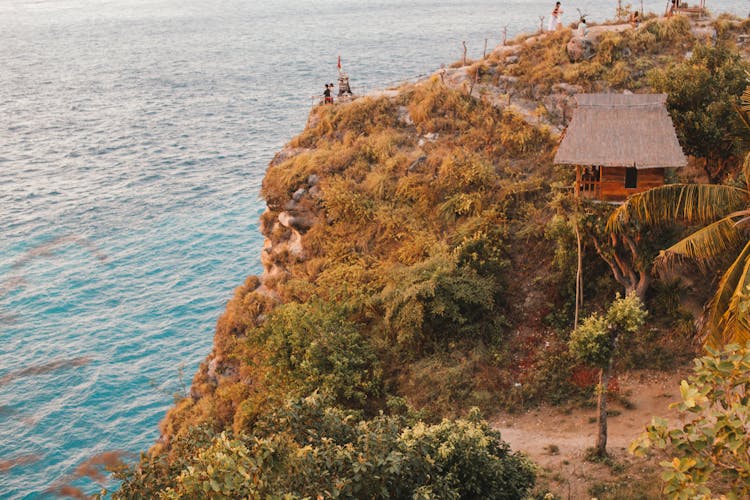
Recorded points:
(413, 244)
(225, 380)
(419, 260)
(374, 195)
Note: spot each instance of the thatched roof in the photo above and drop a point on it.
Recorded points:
(621, 130)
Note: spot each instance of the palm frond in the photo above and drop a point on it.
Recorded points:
(689, 203)
(742, 113)
(745, 97)
(740, 215)
(705, 244)
(743, 110)
(728, 318)
(744, 221)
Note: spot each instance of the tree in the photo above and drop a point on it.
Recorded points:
(595, 344)
(710, 445)
(724, 213)
(627, 254)
(703, 92)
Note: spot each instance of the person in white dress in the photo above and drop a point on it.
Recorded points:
(555, 20)
(582, 28)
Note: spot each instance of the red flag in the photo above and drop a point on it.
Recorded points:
(339, 62)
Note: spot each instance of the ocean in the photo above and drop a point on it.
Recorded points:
(134, 135)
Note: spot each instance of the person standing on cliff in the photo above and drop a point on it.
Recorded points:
(555, 20)
(672, 10)
(582, 28)
(327, 99)
(635, 19)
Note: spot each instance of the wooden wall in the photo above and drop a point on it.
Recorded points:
(613, 182)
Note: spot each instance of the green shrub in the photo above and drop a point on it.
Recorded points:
(551, 378)
(447, 382)
(709, 447)
(436, 300)
(314, 347)
(307, 449)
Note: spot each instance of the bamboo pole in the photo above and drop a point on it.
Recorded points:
(579, 270)
(579, 274)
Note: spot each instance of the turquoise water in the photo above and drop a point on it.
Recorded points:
(134, 135)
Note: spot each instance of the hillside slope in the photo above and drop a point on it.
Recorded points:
(417, 252)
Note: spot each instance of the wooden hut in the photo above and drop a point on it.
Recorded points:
(620, 144)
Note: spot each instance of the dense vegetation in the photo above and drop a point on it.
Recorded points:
(309, 446)
(709, 448)
(421, 254)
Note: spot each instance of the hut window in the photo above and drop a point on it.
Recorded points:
(631, 178)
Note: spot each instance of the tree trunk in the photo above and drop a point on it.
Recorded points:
(643, 283)
(639, 287)
(716, 168)
(601, 407)
(579, 278)
(626, 269)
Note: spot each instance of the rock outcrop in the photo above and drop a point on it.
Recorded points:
(580, 49)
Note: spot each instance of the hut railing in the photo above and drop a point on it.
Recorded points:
(588, 184)
(589, 188)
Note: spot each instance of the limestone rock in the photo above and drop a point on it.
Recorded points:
(298, 222)
(285, 219)
(267, 258)
(265, 219)
(580, 49)
(294, 245)
(416, 163)
(567, 88)
(285, 154)
(404, 117)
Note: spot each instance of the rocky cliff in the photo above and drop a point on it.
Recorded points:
(427, 218)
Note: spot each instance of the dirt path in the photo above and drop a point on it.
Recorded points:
(557, 440)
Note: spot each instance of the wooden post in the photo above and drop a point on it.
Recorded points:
(476, 79)
(505, 34)
(579, 272)
(464, 44)
(541, 24)
(484, 54)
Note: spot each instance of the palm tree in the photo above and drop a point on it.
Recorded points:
(723, 211)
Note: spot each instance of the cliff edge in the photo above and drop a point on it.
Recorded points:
(418, 256)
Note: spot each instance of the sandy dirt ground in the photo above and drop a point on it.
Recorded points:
(557, 439)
